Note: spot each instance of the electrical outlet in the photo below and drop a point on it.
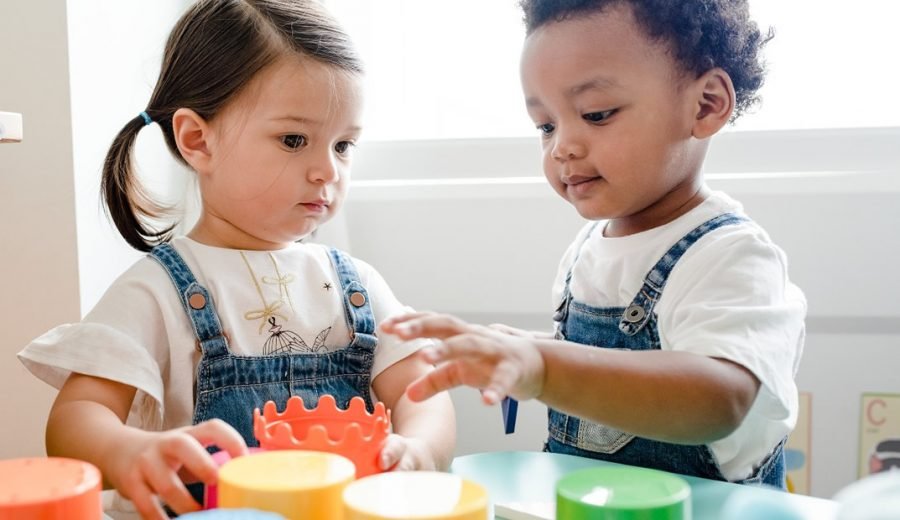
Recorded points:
(10, 127)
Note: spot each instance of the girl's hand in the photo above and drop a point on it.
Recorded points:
(497, 362)
(148, 465)
(406, 454)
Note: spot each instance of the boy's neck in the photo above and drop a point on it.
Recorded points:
(680, 201)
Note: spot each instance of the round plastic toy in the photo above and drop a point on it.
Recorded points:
(415, 495)
(52, 488)
(232, 514)
(210, 495)
(622, 493)
(353, 433)
(292, 483)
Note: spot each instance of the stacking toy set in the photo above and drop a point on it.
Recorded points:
(322, 463)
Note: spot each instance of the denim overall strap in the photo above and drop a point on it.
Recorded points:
(638, 313)
(195, 299)
(358, 309)
(562, 310)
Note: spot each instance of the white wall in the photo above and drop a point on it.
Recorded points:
(37, 214)
(77, 73)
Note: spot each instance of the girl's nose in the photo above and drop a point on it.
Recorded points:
(324, 171)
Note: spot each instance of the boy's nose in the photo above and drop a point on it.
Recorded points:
(567, 148)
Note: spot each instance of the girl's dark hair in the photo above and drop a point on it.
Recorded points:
(213, 51)
(702, 34)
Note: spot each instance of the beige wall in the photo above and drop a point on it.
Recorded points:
(37, 213)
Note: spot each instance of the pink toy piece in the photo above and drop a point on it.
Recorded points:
(211, 496)
(353, 433)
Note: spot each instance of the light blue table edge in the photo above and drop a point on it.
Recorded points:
(517, 476)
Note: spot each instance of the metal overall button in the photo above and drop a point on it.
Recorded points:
(197, 301)
(358, 299)
(634, 314)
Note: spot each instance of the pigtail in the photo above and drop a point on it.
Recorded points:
(126, 201)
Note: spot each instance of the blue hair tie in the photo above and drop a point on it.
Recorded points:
(146, 117)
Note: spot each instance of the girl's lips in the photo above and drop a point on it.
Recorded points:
(315, 207)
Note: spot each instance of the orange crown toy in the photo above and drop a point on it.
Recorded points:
(353, 433)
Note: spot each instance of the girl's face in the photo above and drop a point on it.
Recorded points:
(615, 119)
(279, 156)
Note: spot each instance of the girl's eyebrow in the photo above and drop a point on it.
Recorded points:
(308, 121)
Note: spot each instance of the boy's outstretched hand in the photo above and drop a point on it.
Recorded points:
(499, 362)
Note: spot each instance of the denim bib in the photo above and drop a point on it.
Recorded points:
(229, 387)
(635, 328)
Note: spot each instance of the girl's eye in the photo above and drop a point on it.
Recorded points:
(344, 146)
(546, 129)
(598, 117)
(293, 141)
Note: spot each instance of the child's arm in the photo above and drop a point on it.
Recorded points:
(671, 396)
(87, 423)
(424, 432)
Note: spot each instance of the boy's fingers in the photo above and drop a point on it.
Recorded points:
(389, 323)
(438, 326)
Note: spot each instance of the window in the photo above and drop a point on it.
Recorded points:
(448, 70)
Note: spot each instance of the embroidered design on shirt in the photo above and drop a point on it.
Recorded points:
(286, 342)
(280, 341)
(327, 286)
(268, 310)
(281, 281)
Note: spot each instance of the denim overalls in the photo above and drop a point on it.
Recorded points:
(635, 328)
(229, 387)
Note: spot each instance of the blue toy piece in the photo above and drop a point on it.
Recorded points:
(510, 406)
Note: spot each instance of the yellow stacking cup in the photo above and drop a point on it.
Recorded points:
(297, 484)
(415, 495)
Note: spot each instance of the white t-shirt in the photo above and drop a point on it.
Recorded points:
(140, 335)
(728, 297)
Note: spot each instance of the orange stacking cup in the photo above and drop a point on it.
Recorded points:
(415, 495)
(352, 432)
(49, 489)
(297, 484)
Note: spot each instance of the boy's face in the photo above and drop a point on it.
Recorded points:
(615, 115)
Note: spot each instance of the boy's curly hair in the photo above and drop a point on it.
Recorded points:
(703, 34)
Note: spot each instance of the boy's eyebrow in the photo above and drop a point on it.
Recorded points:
(598, 83)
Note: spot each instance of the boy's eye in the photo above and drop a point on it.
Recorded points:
(598, 117)
(293, 141)
(546, 128)
(343, 146)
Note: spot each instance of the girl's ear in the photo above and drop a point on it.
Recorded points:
(715, 102)
(192, 135)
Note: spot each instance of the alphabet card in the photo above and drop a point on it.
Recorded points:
(798, 447)
(879, 433)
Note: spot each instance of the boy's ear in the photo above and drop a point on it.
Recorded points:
(715, 102)
(192, 135)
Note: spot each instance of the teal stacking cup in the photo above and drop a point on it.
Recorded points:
(622, 493)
